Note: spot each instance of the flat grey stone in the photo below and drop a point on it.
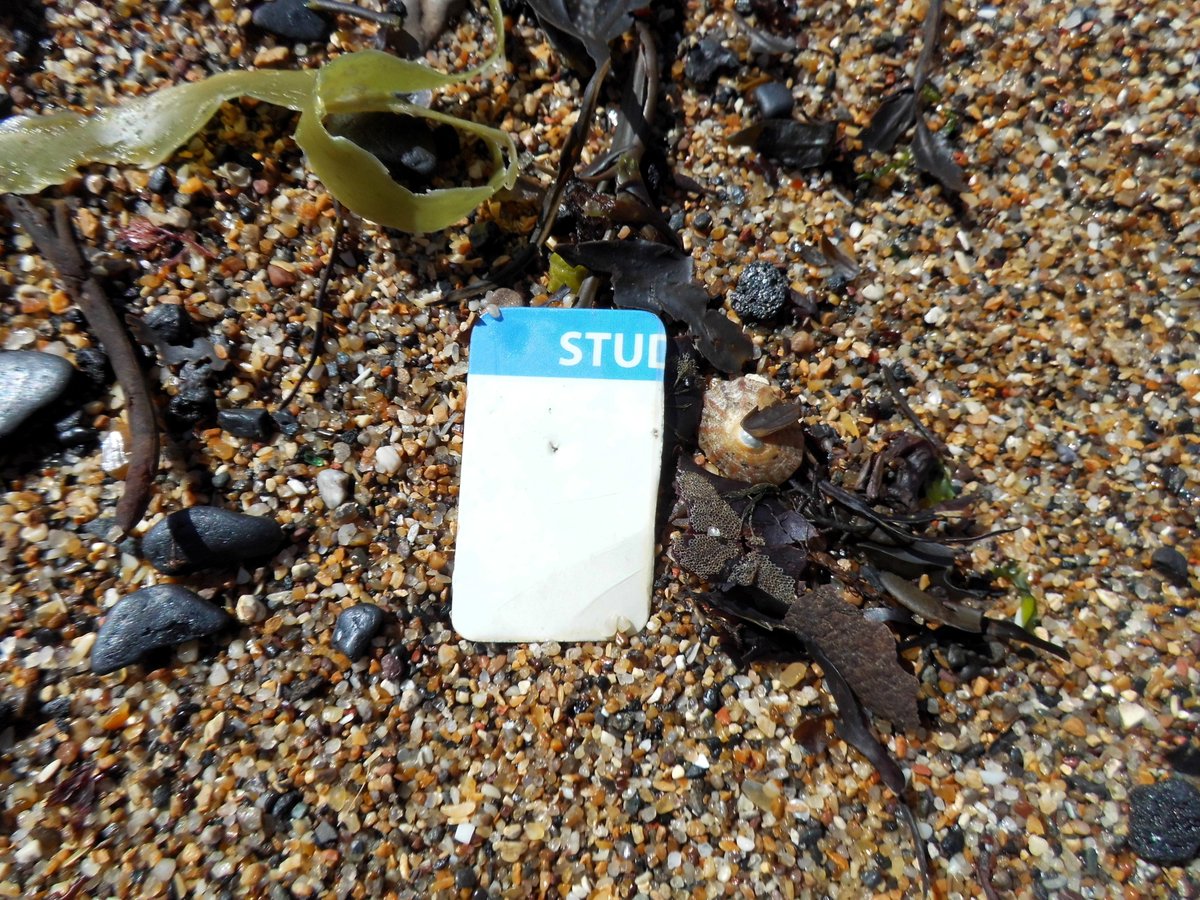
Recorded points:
(29, 381)
(205, 537)
(150, 619)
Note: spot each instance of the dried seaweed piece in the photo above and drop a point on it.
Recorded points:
(703, 554)
(964, 618)
(894, 117)
(593, 23)
(801, 145)
(759, 571)
(933, 156)
(709, 513)
(864, 652)
(658, 278)
(851, 725)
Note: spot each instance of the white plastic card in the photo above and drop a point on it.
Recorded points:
(562, 448)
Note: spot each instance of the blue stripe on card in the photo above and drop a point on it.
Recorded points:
(625, 344)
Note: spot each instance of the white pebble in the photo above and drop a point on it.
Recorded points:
(387, 460)
(873, 292)
(334, 486)
(218, 676)
(935, 316)
(1132, 714)
(464, 832)
(250, 609)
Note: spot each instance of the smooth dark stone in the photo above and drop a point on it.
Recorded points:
(204, 537)
(58, 708)
(762, 292)
(774, 100)
(1171, 564)
(160, 180)
(170, 322)
(246, 423)
(355, 627)
(292, 19)
(150, 619)
(29, 381)
(706, 59)
(1164, 821)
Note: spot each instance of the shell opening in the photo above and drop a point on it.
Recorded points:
(749, 440)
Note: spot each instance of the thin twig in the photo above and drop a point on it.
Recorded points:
(60, 247)
(322, 290)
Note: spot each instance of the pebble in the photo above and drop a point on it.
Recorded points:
(250, 610)
(29, 381)
(150, 619)
(255, 424)
(92, 362)
(204, 537)
(762, 292)
(706, 60)
(292, 19)
(334, 487)
(355, 627)
(1171, 564)
(170, 322)
(387, 460)
(774, 100)
(160, 180)
(1164, 821)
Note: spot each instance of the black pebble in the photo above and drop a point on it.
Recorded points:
(774, 100)
(1171, 564)
(195, 399)
(287, 424)
(160, 180)
(29, 381)
(953, 842)
(92, 363)
(255, 424)
(355, 627)
(762, 292)
(170, 322)
(1164, 821)
(152, 619)
(58, 708)
(204, 537)
(713, 700)
(292, 19)
(706, 59)
(465, 878)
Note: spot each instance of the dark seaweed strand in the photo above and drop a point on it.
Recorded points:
(339, 228)
(59, 246)
(851, 725)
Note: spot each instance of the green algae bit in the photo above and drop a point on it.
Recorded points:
(39, 151)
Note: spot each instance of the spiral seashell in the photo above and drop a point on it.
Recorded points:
(771, 457)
